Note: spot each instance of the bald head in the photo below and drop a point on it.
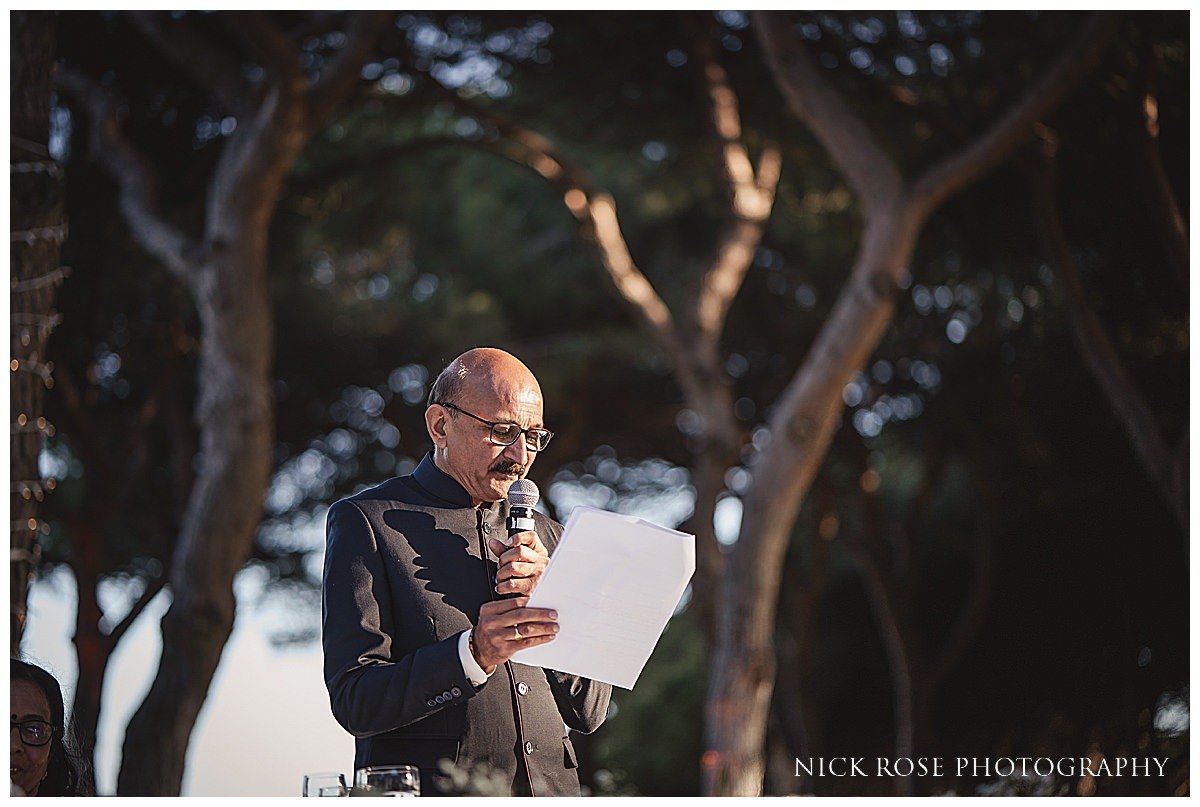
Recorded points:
(479, 389)
(483, 371)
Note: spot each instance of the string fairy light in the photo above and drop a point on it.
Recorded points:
(42, 369)
(25, 550)
(41, 281)
(48, 167)
(34, 488)
(57, 234)
(43, 325)
(34, 525)
(23, 425)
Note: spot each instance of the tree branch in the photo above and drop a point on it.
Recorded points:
(153, 586)
(133, 175)
(727, 124)
(342, 72)
(955, 172)
(871, 172)
(1168, 217)
(697, 371)
(1101, 356)
(752, 197)
(596, 212)
(201, 61)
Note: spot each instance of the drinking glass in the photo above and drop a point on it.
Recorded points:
(325, 784)
(389, 780)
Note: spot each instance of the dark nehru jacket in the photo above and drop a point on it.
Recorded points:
(406, 570)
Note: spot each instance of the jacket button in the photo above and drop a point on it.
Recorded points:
(439, 699)
(528, 748)
(456, 692)
(431, 702)
(522, 688)
(487, 527)
(447, 696)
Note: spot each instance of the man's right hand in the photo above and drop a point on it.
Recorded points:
(506, 626)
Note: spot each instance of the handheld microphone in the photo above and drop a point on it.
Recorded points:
(522, 497)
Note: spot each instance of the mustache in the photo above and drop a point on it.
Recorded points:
(508, 467)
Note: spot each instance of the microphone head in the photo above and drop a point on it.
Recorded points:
(523, 493)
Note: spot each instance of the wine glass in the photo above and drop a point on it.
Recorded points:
(389, 780)
(325, 784)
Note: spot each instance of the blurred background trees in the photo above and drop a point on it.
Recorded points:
(985, 563)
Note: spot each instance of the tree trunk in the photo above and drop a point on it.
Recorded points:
(226, 275)
(236, 435)
(806, 417)
(38, 229)
(235, 419)
(708, 479)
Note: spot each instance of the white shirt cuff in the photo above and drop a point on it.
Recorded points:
(474, 672)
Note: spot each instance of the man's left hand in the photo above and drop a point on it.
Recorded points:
(521, 565)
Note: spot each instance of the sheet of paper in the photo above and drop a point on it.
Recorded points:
(615, 581)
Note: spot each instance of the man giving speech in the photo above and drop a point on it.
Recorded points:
(424, 600)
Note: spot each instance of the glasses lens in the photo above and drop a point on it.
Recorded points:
(538, 439)
(505, 434)
(35, 732)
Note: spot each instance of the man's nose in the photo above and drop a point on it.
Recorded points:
(518, 452)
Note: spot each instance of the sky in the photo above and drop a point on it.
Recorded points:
(261, 698)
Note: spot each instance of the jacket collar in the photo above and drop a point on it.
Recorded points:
(439, 484)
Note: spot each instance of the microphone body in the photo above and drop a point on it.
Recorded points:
(522, 496)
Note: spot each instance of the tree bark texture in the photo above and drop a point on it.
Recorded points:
(38, 229)
(225, 271)
(809, 410)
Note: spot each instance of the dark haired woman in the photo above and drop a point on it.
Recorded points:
(41, 762)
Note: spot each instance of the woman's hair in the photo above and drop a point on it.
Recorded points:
(67, 772)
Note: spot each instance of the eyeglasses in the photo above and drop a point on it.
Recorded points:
(33, 732)
(505, 434)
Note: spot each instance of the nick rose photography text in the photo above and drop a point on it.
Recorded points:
(986, 767)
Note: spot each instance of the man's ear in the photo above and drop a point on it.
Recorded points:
(436, 419)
